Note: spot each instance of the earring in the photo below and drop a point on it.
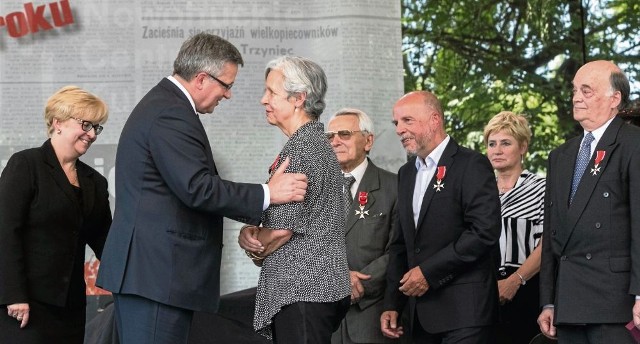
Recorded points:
(59, 131)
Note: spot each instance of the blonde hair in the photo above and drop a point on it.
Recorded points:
(510, 123)
(73, 101)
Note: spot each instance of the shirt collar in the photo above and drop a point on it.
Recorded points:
(597, 134)
(358, 172)
(435, 154)
(184, 90)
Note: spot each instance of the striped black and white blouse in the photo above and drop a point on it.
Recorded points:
(522, 219)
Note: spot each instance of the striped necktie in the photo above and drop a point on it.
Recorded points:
(346, 191)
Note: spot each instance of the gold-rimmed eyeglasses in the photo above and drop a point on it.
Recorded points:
(86, 126)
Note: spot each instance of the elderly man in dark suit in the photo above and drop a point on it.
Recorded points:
(590, 272)
(371, 220)
(162, 256)
(449, 219)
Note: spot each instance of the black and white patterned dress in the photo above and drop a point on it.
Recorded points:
(522, 219)
(312, 265)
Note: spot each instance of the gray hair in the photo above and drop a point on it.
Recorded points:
(364, 121)
(302, 75)
(205, 53)
(619, 82)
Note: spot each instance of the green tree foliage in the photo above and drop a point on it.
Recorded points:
(484, 56)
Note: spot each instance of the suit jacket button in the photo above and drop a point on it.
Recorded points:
(588, 256)
(550, 203)
(563, 258)
(553, 232)
(417, 250)
(605, 194)
(598, 225)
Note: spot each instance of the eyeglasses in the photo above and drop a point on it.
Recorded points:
(222, 83)
(86, 126)
(342, 134)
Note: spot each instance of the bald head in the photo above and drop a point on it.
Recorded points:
(614, 75)
(424, 99)
(600, 90)
(601, 65)
(419, 122)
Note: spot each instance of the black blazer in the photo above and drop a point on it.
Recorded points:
(165, 243)
(590, 256)
(457, 230)
(42, 224)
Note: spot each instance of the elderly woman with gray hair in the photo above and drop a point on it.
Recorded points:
(303, 291)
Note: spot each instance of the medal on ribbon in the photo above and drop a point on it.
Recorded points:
(599, 156)
(274, 165)
(442, 171)
(362, 200)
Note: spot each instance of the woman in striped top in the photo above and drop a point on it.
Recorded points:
(507, 137)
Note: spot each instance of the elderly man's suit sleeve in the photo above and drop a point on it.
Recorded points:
(180, 155)
(394, 299)
(549, 262)
(634, 200)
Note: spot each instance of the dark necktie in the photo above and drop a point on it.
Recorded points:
(348, 198)
(581, 163)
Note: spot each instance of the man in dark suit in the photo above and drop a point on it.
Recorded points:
(371, 219)
(449, 221)
(591, 260)
(162, 256)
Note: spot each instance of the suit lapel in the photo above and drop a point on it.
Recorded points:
(370, 182)
(407, 181)
(589, 179)
(88, 187)
(566, 164)
(445, 160)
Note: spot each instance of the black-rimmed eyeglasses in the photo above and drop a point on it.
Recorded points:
(86, 126)
(222, 83)
(342, 134)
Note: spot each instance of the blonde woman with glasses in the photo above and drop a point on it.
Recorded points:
(52, 205)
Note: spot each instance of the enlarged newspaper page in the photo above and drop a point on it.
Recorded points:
(119, 49)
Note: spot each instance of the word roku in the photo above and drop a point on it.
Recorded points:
(32, 20)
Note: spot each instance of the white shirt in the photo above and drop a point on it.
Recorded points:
(358, 174)
(597, 135)
(426, 169)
